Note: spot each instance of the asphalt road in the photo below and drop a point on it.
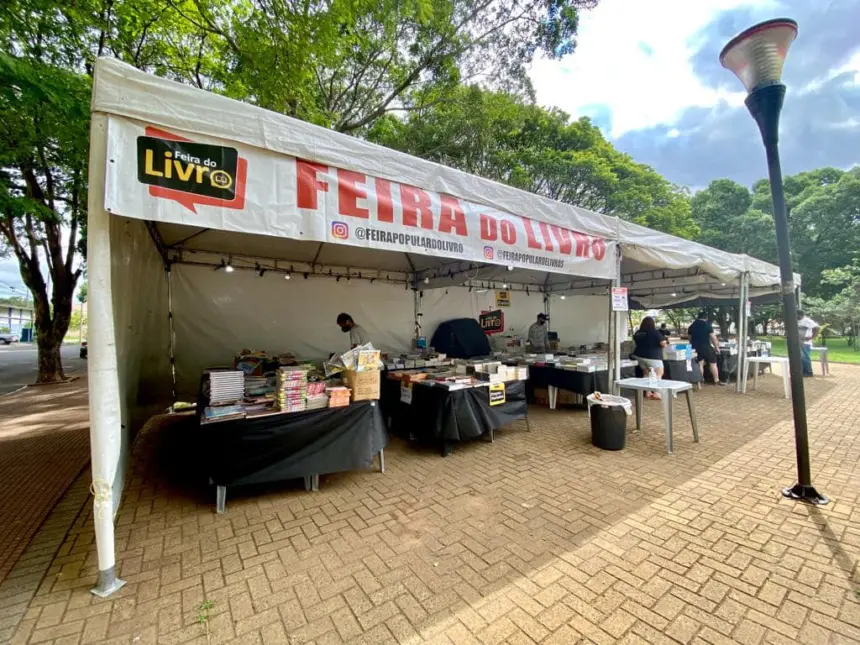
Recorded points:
(18, 364)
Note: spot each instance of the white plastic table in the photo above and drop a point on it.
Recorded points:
(782, 361)
(668, 390)
(822, 354)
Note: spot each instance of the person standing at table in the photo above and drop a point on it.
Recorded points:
(649, 350)
(539, 335)
(357, 335)
(665, 331)
(807, 329)
(704, 341)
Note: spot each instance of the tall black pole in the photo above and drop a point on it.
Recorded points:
(765, 104)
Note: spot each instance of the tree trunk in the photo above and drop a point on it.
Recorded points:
(50, 362)
(51, 330)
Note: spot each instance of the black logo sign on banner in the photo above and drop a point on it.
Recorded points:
(196, 168)
(492, 322)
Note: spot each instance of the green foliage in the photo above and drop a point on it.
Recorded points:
(824, 220)
(14, 301)
(345, 63)
(503, 137)
(839, 350)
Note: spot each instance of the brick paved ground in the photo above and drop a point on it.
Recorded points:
(44, 445)
(538, 538)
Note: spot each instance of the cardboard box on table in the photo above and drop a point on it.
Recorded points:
(365, 386)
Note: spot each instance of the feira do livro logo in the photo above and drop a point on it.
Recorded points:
(191, 173)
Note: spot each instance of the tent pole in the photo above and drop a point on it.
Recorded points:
(417, 303)
(742, 329)
(619, 315)
(172, 329)
(105, 420)
(613, 363)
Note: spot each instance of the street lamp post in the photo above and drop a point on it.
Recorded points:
(756, 57)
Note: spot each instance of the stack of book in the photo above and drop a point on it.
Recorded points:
(223, 413)
(226, 386)
(256, 385)
(317, 398)
(338, 397)
(291, 392)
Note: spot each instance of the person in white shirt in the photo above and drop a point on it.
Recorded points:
(357, 335)
(539, 335)
(808, 330)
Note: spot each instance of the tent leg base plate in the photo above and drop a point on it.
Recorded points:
(107, 584)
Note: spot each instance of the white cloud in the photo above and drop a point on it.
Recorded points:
(634, 58)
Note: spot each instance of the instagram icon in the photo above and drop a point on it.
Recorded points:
(340, 230)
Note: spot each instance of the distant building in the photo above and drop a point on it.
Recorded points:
(15, 318)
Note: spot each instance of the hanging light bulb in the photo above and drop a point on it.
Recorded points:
(674, 294)
(505, 285)
(287, 275)
(563, 297)
(229, 267)
(427, 280)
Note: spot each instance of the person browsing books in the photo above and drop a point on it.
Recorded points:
(357, 335)
(539, 335)
(649, 350)
(704, 341)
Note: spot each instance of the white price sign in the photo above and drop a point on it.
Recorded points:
(619, 299)
(406, 394)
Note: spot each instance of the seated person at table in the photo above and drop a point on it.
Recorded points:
(539, 335)
(704, 341)
(649, 350)
(357, 335)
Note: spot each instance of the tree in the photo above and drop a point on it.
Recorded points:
(824, 218)
(765, 315)
(727, 221)
(43, 149)
(346, 63)
(842, 311)
(503, 137)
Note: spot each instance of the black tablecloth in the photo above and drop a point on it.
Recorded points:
(677, 371)
(290, 446)
(438, 414)
(583, 383)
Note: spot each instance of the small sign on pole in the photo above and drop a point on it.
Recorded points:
(503, 298)
(619, 299)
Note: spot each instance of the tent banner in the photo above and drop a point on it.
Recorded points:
(176, 177)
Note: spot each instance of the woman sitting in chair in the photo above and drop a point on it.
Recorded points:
(649, 350)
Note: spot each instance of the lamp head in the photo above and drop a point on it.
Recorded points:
(756, 56)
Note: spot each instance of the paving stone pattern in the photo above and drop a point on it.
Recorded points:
(536, 538)
(44, 445)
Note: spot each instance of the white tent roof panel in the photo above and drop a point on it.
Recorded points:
(122, 91)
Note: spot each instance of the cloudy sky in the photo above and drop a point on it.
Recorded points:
(648, 74)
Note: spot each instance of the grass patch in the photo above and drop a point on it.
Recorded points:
(840, 351)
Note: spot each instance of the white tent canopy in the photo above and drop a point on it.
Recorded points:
(183, 182)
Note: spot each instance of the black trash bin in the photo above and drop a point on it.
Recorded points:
(608, 426)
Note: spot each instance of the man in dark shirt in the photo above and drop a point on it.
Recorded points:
(704, 341)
